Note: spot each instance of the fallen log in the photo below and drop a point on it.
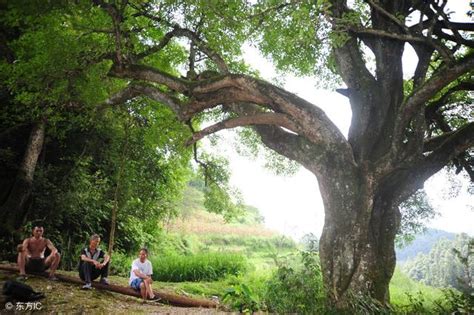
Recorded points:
(167, 298)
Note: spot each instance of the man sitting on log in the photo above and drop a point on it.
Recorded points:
(94, 263)
(31, 255)
(140, 276)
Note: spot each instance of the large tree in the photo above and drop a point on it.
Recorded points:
(402, 132)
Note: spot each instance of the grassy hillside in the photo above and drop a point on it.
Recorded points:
(201, 231)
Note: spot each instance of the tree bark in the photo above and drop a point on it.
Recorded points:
(13, 210)
(357, 244)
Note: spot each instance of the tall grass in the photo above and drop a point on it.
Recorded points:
(199, 267)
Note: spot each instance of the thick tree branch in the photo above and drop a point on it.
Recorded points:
(154, 49)
(145, 73)
(259, 119)
(444, 51)
(424, 54)
(390, 16)
(436, 105)
(445, 148)
(434, 142)
(423, 94)
(136, 89)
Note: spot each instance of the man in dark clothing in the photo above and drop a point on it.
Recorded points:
(94, 263)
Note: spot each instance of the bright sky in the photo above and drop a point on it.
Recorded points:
(293, 205)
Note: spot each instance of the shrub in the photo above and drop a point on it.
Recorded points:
(297, 286)
(120, 264)
(242, 298)
(199, 267)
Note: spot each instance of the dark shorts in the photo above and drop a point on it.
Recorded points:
(136, 283)
(35, 265)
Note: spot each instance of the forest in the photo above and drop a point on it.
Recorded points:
(105, 106)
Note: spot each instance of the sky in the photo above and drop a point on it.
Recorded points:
(292, 205)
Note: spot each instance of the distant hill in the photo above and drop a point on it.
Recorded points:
(423, 243)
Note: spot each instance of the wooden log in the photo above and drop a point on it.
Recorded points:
(167, 298)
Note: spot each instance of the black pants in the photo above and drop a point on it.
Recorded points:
(88, 272)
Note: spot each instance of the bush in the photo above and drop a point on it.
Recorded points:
(242, 298)
(120, 264)
(297, 286)
(199, 267)
(456, 303)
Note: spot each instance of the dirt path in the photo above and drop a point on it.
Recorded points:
(64, 298)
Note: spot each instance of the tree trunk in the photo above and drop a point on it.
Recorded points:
(357, 244)
(115, 208)
(13, 211)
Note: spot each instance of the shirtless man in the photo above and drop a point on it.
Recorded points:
(31, 255)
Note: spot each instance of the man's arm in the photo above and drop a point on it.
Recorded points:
(51, 247)
(24, 247)
(90, 260)
(106, 261)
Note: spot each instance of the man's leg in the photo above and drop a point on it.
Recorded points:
(21, 260)
(52, 262)
(85, 272)
(95, 273)
(104, 273)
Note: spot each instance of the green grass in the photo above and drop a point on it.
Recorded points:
(198, 267)
(401, 284)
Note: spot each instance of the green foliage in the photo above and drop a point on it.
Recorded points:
(242, 298)
(407, 294)
(198, 267)
(250, 216)
(296, 286)
(120, 264)
(416, 212)
(440, 267)
(457, 303)
(290, 34)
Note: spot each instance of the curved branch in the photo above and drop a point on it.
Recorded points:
(135, 89)
(445, 148)
(145, 73)
(128, 93)
(259, 119)
(426, 91)
(164, 41)
(436, 105)
(444, 51)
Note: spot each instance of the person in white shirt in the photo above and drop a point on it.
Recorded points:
(140, 276)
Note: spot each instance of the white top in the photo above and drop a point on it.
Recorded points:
(144, 268)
